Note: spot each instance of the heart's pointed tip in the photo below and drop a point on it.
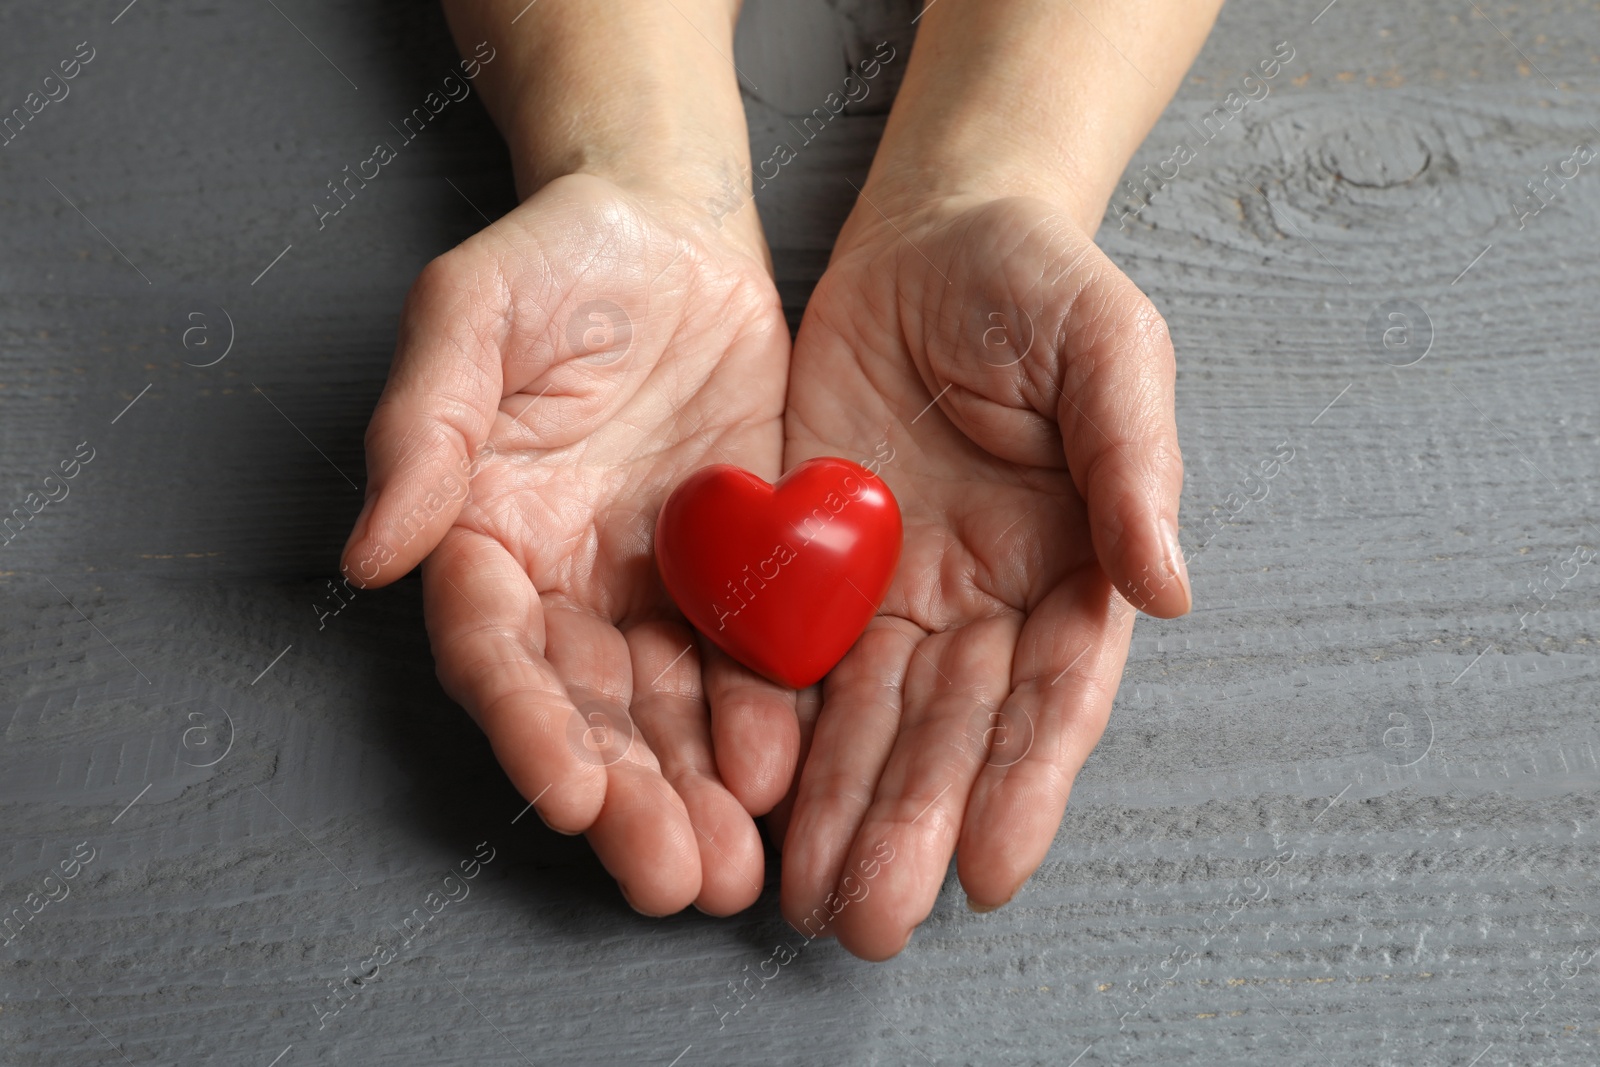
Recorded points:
(797, 682)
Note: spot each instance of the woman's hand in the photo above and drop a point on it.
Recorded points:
(1015, 391)
(557, 375)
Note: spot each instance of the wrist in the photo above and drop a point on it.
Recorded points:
(904, 188)
(704, 188)
(704, 192)
(1031, 98)
(666, 124)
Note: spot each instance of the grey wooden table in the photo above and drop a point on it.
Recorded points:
(1344, 813)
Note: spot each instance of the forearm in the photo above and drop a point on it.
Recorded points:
(641, 92)
(1045, 98)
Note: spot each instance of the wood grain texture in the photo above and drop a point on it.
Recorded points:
(1369, 722)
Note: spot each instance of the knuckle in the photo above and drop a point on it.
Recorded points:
(459, 296)
(435, 287)
(442, 279)
(1146, 331)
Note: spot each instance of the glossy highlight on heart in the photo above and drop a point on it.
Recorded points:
(781, 577)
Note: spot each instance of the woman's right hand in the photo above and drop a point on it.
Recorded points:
(557, 375)
(575, 361)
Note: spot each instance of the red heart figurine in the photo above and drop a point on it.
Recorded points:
(782, 577)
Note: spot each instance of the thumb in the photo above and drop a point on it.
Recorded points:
(1120, 434)
(1079, 367)
(428, 435)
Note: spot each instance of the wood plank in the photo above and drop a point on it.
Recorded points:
(1367, 683)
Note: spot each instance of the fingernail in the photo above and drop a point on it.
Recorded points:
(982, 909)
(358, 529)
(635, 907)
(1173, 554)
(557, 829)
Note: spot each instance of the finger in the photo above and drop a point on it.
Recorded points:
(426, 435)
(850, 745)
(1055, 332)
(670, 710)
(754, 731)
(643, 835)
(487, 629)
(953, 687)
(1069, 660)
(807, 703)
(588, 652)
(1119, 429)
